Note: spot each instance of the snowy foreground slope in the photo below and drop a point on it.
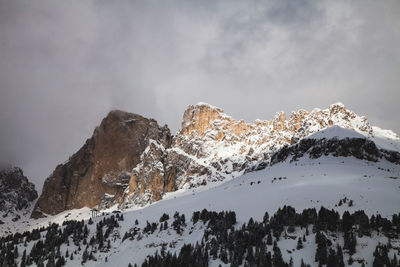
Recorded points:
(307, 184)
(339, 183)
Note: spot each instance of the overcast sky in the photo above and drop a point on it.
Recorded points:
(65, 64)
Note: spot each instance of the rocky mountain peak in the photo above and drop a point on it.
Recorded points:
(220, 147)
(131, 161)
(336, 114)
(337, 107)
(199, 118)
(16, 192)
(279, 122)
(296, 118)
(99, 173)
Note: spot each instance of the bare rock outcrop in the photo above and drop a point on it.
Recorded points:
(99, 173)
(16, 192)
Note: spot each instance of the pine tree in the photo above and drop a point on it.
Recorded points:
(299, 244)
(85, 256)
(164, 217)
(23, 259)
(347, 221)
(350, 242)
(394, 261)
(321, 253)
(340, 255)
(351, 260)
(60, 262)
(266, 217)
(223, 255)
(16, 252)
(269, 238)
(381, 257)
(51, 262)
(332, 259)
(277, 259)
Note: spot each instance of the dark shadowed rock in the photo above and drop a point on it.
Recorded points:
(16, 192)
(360, 148)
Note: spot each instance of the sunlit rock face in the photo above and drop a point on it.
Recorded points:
(212, 146)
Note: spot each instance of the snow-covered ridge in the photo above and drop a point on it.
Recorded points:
(211, 146)
(335, 132)
(384, 139)
(360, 148)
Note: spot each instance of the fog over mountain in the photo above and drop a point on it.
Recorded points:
(64, 65)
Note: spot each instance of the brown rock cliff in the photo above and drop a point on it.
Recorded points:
(101, 169)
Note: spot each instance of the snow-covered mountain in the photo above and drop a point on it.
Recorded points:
(212, 146)
(339, 169)
(17, 194)
(130, 161)
(338, 142)
(334, 181)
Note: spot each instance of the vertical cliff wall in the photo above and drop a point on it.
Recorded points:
(99, 172)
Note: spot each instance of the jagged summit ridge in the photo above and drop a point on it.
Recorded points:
(203, 117)
(212, 146)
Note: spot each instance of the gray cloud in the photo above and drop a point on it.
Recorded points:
(64, 65)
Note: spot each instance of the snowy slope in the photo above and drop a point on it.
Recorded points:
(386, 139)
(306, 174)
(335, 132)
(307, 183)
(373, 187)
